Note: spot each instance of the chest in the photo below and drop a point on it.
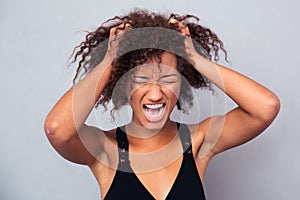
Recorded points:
(159, 175)
(159, 182)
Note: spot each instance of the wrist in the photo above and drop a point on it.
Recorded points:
(196, 59)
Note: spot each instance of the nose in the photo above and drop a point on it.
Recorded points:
(154, 92)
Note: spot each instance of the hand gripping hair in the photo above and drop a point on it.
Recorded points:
(147, 39)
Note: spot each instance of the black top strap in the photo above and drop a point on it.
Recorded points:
(185, 137)
(123, 147)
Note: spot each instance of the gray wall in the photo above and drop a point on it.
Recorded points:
(37, 37)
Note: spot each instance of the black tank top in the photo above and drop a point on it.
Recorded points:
(126, 184)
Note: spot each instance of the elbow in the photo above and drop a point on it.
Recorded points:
(272, 109)
(50, 127)
(55, 132)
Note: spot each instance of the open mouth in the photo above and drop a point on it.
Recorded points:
(154, 112)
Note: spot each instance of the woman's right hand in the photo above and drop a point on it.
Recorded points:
(114, 38)
(65, 124)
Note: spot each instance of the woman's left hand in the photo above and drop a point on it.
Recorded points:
(256, 108)
(189, 46)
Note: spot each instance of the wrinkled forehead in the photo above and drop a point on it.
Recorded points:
(154, 68)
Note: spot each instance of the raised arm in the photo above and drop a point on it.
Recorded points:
(257, 105)
(66, 121)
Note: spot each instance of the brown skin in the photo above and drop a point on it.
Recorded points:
(257, 108)
(91, 51)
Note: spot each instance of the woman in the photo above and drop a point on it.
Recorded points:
(151, 62)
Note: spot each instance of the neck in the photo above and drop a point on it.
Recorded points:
(145, 140)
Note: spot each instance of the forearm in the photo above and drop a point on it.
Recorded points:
(253, 98)
(73, 108)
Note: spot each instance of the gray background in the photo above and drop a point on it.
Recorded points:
(37, 37)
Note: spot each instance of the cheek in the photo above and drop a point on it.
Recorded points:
(173, 90)
(172, 94)
(132, 92)
(134, 96)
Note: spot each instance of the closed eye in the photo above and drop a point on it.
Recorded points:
(170, 78)
(140, 79)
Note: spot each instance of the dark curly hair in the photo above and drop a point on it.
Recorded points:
(152, 29)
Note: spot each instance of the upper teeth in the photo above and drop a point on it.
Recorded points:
(154, 106)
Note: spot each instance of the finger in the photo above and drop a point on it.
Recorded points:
(173, 21)
(127, 26)
(183, 28)
(186, 31)
(120, 28)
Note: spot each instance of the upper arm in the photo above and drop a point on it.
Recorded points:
(82, 148)
(233, 129)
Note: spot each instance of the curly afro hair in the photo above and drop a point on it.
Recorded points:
(153, 28)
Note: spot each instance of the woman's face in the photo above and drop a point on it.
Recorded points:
(153, 91)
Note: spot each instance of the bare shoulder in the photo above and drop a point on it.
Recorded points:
(110, 134)
(107, 157)
(205, 135)
(108, 139)
(197, 135)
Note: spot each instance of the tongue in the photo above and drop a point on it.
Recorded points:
(154, 115)
(153, 111)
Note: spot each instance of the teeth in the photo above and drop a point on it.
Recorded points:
(154, 106)
(154, 112)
